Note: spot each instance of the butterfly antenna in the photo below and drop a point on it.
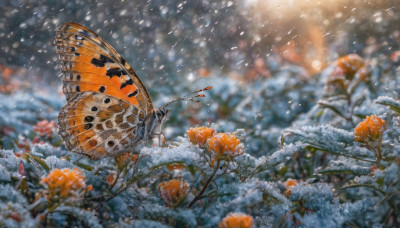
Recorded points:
(186, 98)
(198, 91)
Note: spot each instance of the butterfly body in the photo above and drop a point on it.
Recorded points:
(108, 110)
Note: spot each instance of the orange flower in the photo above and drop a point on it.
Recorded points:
(134, 158)
(369, 129)
(289, 184)
(173, 191)
(199, 136)
(350, 64)
(64, 183)
(204, 72)
(236, 220)
(44, 128)
(395, 56)
(225, 145)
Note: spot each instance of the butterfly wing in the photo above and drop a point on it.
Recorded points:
(98, 125)
(90, 64)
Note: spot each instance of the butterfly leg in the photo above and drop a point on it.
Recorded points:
(158, 140)
(155, 139)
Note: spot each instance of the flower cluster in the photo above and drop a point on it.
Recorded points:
(236, 220)
(370, 129)
(173, 191)
(350, 64)
(64, 183)
(222, 145)
(44, 128)
(200, 135)
(344, 70)
(225, 145)
(289, 184)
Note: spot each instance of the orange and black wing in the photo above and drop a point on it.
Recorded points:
(91, 64)
(98, 125)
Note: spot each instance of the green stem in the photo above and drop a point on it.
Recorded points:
(379, 158)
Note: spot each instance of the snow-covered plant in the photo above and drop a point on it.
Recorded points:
(283, 146)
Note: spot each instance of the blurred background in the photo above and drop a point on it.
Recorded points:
(263, 57)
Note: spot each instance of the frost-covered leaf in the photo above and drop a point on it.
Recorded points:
(281, 155)
(81, 216)
(388, 101)
(324, 137)
(9, 194)
(9, 160)
(16, 215)
(185, 153)
(4, 174)
(157, 212)
(348, 166)
(322, 208)
(46, 150)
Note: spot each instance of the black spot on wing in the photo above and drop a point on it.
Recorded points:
(116, 72)
(134, 93)
(102, 61)
(122, 61)
(88, 126)
(89, 118)
(129, 82)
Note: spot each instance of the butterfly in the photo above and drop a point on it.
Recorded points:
(109, 110)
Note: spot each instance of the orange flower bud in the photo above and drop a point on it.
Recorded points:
(350, 64)
(369, 129)
(64, 183)
(199, 136)
(225, 145)
(395, 56)
(173, 191)
(236, 220)
(289, 184)
(111, 179)
(134, 157)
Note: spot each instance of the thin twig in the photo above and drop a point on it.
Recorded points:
(205, 186)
